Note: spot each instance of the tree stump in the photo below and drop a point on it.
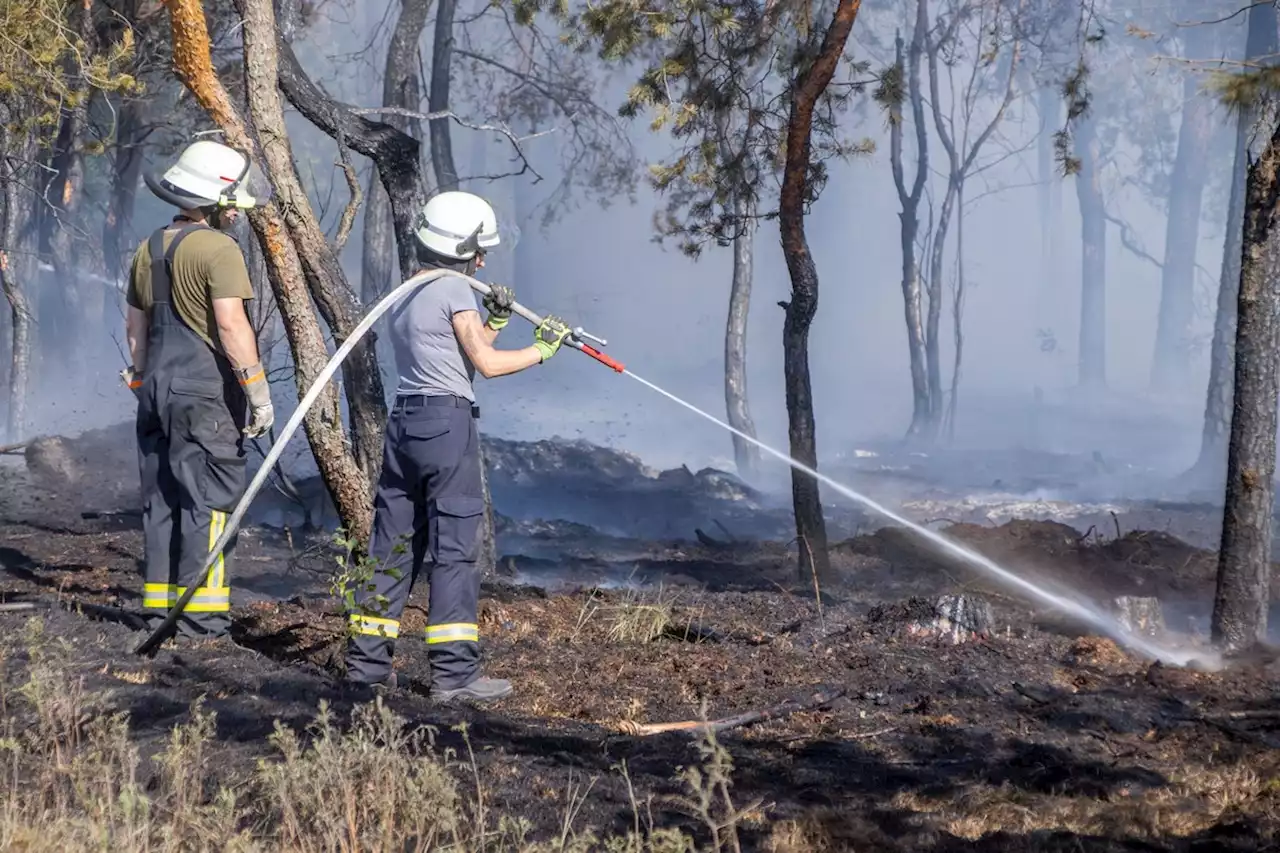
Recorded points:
(51, 459)
(956, 618)
(1139, 615)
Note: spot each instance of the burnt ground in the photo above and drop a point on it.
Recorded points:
(1036, 737)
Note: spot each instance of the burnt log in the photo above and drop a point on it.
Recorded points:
(956, 619)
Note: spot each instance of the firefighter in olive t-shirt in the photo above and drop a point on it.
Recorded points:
(196, 370)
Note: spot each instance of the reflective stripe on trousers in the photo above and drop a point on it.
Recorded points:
(457, 632)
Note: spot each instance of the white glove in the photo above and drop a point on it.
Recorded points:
(133, 381)
(261, 415)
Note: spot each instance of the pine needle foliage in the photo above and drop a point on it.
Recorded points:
(717, 77)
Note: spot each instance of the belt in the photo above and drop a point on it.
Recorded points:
(403, 401)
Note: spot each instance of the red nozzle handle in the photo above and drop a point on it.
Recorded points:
(602, 358)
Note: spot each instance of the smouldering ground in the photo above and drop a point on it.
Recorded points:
(1032, 739)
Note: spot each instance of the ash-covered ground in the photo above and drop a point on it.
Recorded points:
(627, 596)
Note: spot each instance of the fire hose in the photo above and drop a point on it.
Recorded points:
(576, 339)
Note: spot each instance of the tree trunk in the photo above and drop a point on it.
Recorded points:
(1093, 284)
(400, 88)
(807, 88)
(909, 217)
(117, 229)
(1171, 363)
(447, 180)
(72, 253)
(1261, 42)
(397, 157)
(438, 99)
(326, 281)
(15, 271)
(1048, 189)
(346, 481)
(933, 329)
(957, 315)
(1244, 559)
(745, 454)
(913, 301)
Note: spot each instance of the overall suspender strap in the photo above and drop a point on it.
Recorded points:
(162, 262)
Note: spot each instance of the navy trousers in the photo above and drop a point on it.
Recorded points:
(427, 512)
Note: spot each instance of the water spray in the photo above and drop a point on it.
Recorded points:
(579, 339)
(1080, 610)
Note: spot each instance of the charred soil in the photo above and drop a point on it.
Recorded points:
(1030, 737)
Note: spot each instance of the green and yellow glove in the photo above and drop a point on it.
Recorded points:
(498, 303)
(548, 336)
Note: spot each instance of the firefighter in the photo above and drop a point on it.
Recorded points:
(429, 504)
(195, 371)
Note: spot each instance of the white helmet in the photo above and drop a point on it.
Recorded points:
(456, 225)
(207, 174)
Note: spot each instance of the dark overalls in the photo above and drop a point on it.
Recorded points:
(429, 503)
(191, 453)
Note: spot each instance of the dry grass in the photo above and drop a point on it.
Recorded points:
(639, 618)
(75, 781)
(1197, 799)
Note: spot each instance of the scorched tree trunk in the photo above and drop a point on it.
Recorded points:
(438, 98)
(807, 88)
(117, 228)
(1244, 559)
(346, 481)
(402, 88)
(1261, 42)
(15, 269)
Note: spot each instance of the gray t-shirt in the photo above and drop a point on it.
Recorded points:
(429, 357)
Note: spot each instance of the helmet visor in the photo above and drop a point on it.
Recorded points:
(509, 235)
(251, 190)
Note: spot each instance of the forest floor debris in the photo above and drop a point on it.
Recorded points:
(1027, 736)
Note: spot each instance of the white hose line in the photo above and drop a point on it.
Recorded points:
(159, 635)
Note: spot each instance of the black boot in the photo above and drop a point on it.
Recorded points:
(482, 690)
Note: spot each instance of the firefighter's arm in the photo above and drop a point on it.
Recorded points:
(478, 346)
(235, 333)
(135, 328)
(135, 320)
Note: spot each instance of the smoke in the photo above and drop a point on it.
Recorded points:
(664, 314)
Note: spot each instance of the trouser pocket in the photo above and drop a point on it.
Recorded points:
(456, 529)
(223, 482)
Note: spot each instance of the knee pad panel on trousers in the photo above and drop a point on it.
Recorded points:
(456, 535)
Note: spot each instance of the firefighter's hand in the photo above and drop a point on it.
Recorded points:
(256, 388)
(548, 336)
(498, 303)
(132, 380)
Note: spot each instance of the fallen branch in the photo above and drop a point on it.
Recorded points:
(786, 709)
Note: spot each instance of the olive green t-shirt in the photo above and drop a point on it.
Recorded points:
(207, 266)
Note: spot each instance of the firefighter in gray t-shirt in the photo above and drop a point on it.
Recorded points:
(430, 501)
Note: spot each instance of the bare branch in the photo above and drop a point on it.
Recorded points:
(348, 219)
(1129, 240)
(526, 166)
